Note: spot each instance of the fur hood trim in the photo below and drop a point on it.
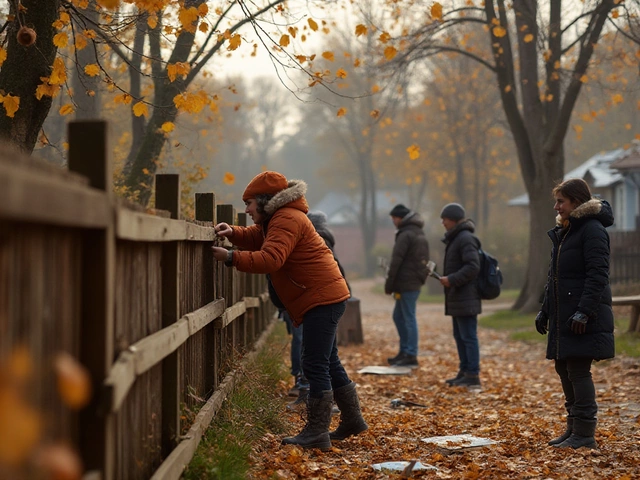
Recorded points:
(592, 208)
(296, 189)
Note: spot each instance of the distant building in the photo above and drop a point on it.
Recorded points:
(615, 177)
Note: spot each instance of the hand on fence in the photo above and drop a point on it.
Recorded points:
(220, 254)
(223, 230)
(542, 323)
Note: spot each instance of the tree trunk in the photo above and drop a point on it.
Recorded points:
(22, 69)
(86, 90)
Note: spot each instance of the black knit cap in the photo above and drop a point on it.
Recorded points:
(453, 211)
(399, 211)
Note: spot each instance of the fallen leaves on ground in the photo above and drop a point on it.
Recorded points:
(520, 406)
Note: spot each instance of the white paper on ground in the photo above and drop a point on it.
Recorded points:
(400, 466)
(381, 370)
(459, 442)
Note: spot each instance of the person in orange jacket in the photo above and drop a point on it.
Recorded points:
(284, 244)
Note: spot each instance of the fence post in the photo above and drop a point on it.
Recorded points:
(89, 156)
(168, 198)
(226, 213)
(243, 281)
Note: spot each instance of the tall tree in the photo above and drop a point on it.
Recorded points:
(540, 55)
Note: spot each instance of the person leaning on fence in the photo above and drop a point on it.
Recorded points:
(407, 273)
(576, 311)
(461, 298)
(306, 278)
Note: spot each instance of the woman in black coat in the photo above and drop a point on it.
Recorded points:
(577, 306)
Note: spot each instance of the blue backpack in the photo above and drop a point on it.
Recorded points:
(490, 277)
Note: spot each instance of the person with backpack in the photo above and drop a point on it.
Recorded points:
(462, 299)
(407, 273)
(576, 310)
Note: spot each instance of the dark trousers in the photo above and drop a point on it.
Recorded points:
(296, 344)
(578, 388)
(320, 361)
(465, 333)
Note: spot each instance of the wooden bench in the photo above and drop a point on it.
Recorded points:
(634, 302)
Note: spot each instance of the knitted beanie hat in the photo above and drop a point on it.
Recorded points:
(265, 183)
(453, 211)
(399, 211)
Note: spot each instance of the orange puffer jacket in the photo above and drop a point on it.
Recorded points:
(303, 270)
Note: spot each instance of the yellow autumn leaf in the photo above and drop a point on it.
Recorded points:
(312, 24)
(615, 14)
(81, 42)
(168, 127)
(190, 102)
(59, 73)
(390, 52)
(187, 17)
(109, 4)
(384, 37)
(507, 89)
(361, 30)
(89, 33)
(414, 152)
(284, 41)
(528, 38)
(341, 73)
(617, 98)
(92, 70)
(436, 11)
(45, 89)
(234, 41)
(3, 55)
(375, 88)
(66, 109)
(178, 68)
(123, 98)
(203, 27)
(584, 79)
(499, 31)
(203, 9)
(229, 178)
(60, 40)
(140, 109)
(11, 105)
(328, 56)
(374, 113)
(152, 21)
(293, 31)
(627, 126)
(341, 112)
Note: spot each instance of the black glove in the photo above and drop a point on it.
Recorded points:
(542, 320)
(578, 322)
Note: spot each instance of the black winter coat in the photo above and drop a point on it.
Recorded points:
(578, 281)
(408, 267)
(461, 267)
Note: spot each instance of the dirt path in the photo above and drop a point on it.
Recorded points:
(520, 405)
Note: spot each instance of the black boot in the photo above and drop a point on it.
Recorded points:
(315, 433)
(407, 361)
(393, 360)
(351, 421)
(451, 381)
(565, 435)
(467, 380)
(301, 401)
(582, 435)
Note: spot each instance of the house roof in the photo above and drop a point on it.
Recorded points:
(630, 160)
(342, 208)
(599, 168)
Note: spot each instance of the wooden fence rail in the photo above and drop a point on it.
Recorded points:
(136, 298)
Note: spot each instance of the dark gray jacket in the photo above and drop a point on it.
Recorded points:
(579, 282)
(461, 267)
(408, 267)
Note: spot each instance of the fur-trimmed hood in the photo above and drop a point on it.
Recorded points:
(595, 208)
(292, 196)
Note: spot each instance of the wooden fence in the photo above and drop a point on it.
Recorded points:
(625, 258)
(138, 299)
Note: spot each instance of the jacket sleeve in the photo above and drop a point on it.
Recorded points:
(595, 248)
(282, 237)
(247, 238)
(470, 264)
(400, 249)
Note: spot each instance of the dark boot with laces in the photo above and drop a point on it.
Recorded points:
(565, 435)
(451, 381)
(582, 435)
(351, 420)
(315, 433)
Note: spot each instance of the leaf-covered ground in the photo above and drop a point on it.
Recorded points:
(520, 405)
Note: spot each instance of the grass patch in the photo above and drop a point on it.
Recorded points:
(252, 409)
(522, 328)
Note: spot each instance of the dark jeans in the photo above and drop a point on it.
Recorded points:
(404, 316)
(465, 333)
(296, 344)
(320, 360)
(578, 388)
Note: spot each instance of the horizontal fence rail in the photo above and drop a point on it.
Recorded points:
(136, 299)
